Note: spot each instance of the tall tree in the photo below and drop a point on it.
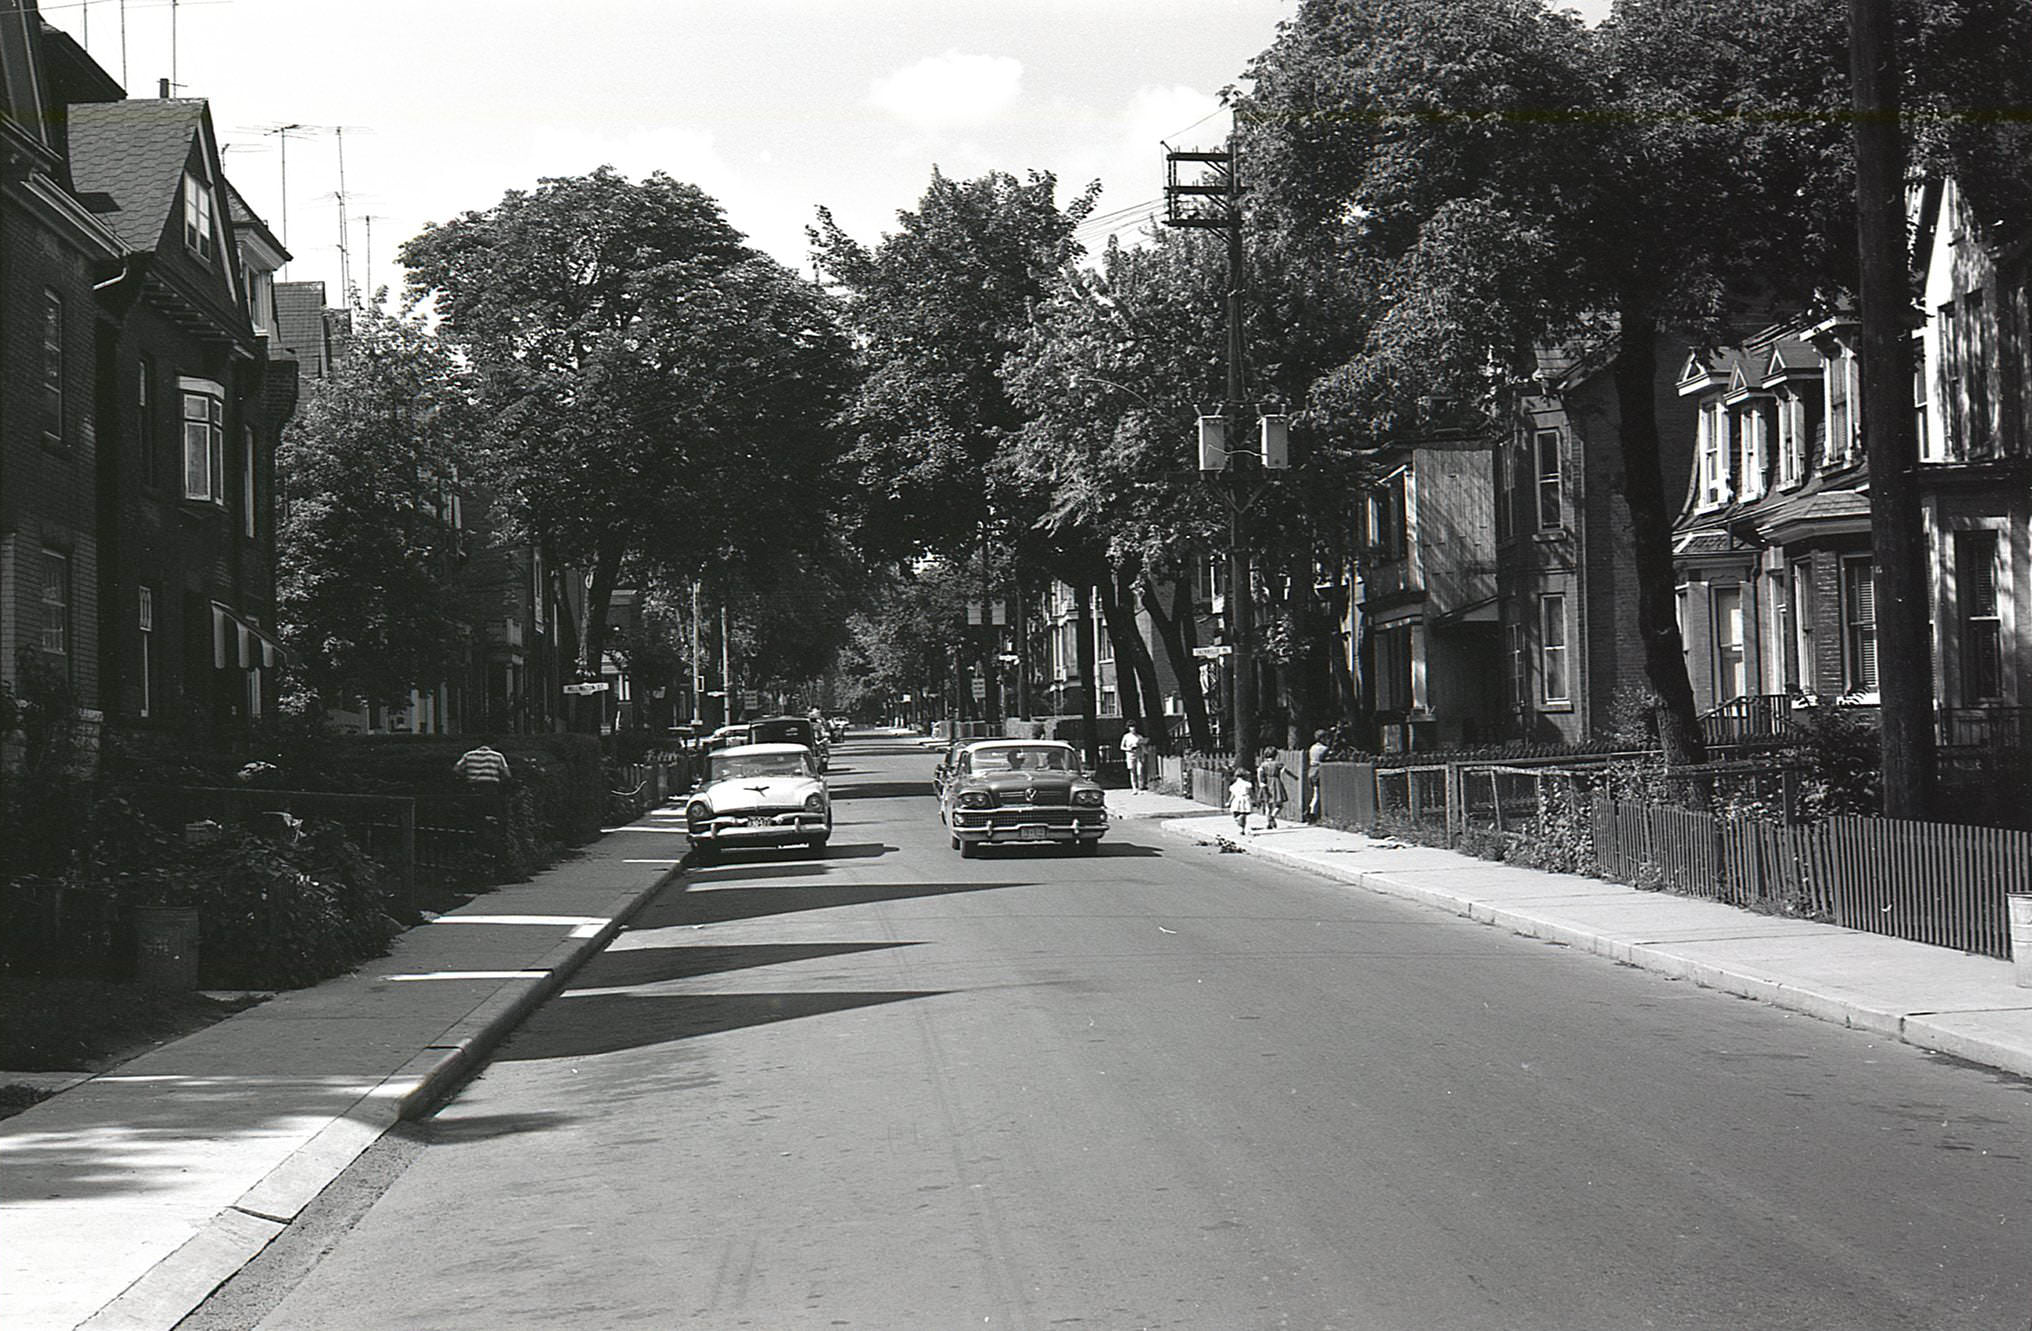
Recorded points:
(655, 388)
(1519, 178)
(366, 548)
(938, 305)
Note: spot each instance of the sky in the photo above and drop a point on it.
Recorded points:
(773, 107)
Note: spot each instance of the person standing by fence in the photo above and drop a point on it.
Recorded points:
(1314, 756)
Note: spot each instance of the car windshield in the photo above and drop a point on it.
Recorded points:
(781, 732)
(741, 766)
(1022, 760)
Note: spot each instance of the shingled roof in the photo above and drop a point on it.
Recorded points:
(135, 153)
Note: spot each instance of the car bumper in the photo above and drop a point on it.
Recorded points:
(1005, 827)
(778, 830)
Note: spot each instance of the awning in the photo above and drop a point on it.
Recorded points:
(238, 642)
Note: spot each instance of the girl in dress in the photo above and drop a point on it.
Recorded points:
(1241, 798)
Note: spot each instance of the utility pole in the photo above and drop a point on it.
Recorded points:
(1214, 202)
(1897, 534)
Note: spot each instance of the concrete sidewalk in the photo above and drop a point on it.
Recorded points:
(1953, 1003)
(129, 1197)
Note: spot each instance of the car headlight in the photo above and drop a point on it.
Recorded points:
(975, 799)
(1088, 798)
(698, 813)
(814, 803)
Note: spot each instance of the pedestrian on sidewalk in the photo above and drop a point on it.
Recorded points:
(1241, 798)
(1270, 774)
(1133, 744)
(1314, 756)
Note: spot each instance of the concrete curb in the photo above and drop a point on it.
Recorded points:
(175, 1286)
(1940, 1032)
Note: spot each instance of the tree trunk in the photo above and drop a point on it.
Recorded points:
(1651, 535)
(1089, 668)
(589, 708)
(1171, 631)
(1897, 531)
(1152, 693)
(1120, 624)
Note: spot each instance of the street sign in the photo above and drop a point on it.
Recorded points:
(1213, 653)
(980, 688)
(591, 686)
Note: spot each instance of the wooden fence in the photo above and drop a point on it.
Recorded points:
(1937, 883)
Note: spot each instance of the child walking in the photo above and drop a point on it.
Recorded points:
(1270, 773)
(1241, 798)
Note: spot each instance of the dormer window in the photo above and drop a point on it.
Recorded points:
(199, 219)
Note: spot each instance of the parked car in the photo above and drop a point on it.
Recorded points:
(727, 735)
(792, 730)
(838, 726)
(1017, 791)
(758, 795)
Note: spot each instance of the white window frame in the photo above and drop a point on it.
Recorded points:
(1549, 485)
(55, 599)
(145, 626)
(53, 368)
(1727, 607)
(247, 479)
(203, 453)
(1855, 624)
(1964, 620)
(200, 219)
(1555, 659)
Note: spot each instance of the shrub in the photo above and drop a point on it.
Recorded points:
(272, 916)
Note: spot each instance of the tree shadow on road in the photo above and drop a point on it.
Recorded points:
(583, 1025)
(709, 903)
(620, 968)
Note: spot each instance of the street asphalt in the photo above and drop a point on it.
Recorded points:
(126, 1199)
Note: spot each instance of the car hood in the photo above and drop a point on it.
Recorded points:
(1036, 787)
(758, 792)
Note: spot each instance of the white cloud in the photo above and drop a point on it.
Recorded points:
(950, 90)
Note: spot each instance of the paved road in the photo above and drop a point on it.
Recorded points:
(888, 1089)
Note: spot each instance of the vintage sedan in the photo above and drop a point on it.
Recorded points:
(758, 795)
(1006, 792)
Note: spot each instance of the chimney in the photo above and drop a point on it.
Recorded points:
(162, 89)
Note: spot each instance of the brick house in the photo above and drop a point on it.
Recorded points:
(1778, 593)
(136, 531)
(190, 422)
(1573, 662)
(54, 254)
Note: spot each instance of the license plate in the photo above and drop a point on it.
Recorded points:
(1033, 834)
(761, 822)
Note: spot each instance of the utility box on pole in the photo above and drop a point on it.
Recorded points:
(1213, 443)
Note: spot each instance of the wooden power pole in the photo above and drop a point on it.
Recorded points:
(1890, 438)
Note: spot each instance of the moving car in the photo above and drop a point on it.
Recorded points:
(726, 735)
(942, 773)
(1021, 791)
(758, 795)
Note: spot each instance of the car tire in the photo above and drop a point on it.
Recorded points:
(704, 852)
(1092, 847)
(968, 850)
(953, 840)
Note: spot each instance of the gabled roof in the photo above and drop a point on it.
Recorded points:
(134, 152)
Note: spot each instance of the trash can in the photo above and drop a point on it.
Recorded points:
(166, 946)
(2018, 906)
